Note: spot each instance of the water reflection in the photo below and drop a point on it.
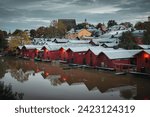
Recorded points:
(39, 80)
(7, 94)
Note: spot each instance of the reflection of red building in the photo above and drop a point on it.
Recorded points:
(143, 61)
(93, 80)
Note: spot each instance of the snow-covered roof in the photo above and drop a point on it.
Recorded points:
(116, 33)
(147, 51)
(60, 40)
(32, 46)
(20, 47)
(78, 49)
(105, 40)
(81, 30)
(144, 46)
(71, 31)
(92, 29)
(117, 27)
(79, 41)
(138, 31)
(65, 48)
(110, 44)
(121, 54)
(87, 37)
(52, 47)
(97, 50)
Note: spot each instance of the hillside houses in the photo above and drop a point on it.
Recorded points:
(81, 47)
(78, 34)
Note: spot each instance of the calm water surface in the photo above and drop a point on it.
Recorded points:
(38, 80)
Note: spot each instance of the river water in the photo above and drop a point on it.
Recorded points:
(52, 81)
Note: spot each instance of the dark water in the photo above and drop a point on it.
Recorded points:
(37, 80)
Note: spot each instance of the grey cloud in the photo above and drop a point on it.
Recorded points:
(24, 12)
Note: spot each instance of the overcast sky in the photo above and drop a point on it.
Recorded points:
(28, 14)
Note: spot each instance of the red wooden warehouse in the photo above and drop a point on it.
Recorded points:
(76, 55)
(91, 55)
(117, 59)
(63, 55)
(143, 61)
(50, 52)
(30, 51)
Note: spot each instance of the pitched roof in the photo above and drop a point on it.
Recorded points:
(144, 46)
(82, 30)
(109, 45)
(79, 41)
(60, 40)
(52, 47)
(121, 54)
(32, 46)
(78, 49)
(147, 51)
(97, 50)
(20, 47)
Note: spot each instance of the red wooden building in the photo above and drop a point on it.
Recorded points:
(76, 55)
(50, 52)
(63, 55)
(143, 61)
(30, 51)
(91, 56)
(117, 59)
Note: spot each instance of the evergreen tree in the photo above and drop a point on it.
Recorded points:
(111, 23)
(146, 39)
(33, 33)
(127, 41)
(3, 41)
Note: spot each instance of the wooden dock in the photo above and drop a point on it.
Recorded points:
(105, 68)
(140, 74)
